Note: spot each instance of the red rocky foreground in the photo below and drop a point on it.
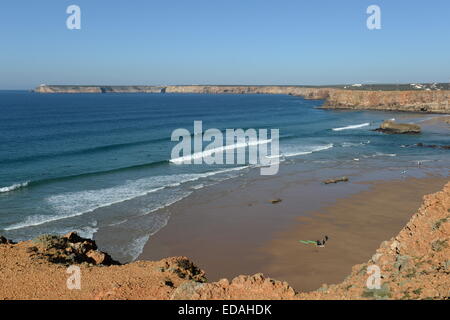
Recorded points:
(414, 265)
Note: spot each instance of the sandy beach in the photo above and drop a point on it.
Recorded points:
(356, 226)
(413, 264)
(233, 228)
(225, 154)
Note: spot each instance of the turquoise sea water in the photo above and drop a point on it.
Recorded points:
(83, 161)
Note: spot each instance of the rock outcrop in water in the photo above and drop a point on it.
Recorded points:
(392, 127)
(414, 265)
(433, 101)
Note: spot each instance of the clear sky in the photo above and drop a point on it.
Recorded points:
(223, 42)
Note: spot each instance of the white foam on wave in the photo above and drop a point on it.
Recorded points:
(14, 187)
(316, 149)
(137, 246)
(294, 152)
(86, 232)
(380, 154)
(354, 144)
(73, 204)
(167, 203)
(130, 245)
(210, 152)
(429, 118)
(355, 126)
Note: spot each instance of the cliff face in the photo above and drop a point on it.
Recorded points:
(306, 92)
(418, 101)
(98, 89)
(413, 101)
(433, 101)
(415, 264)
(68, 89)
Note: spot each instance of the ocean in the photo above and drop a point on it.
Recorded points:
(82, 162)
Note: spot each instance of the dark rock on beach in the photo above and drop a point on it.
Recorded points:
(329, 181)
(392, 127)
(3, 240)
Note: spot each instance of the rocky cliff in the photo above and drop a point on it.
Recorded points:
(98, 89)
(432, 101)
(417, 101)
(306, 92)
(68, 89)
(413, 265)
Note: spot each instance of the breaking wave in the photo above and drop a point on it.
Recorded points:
(355, 126)
(209, 152)
(295, 151)
(73, 204)
(14, 187)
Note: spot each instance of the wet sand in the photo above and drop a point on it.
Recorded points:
(439, 121)
(29, 271)
(356, 226)
(232, 228)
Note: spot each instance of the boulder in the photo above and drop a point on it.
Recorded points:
(393, 127)
(343, 179)
(98, 257)
(73, 237)
(70, 249)
(3, 240)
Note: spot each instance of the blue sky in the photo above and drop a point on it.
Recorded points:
(223, 42)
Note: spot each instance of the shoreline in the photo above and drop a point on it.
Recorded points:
(373, 97)
(411, 269)
(235, 228)
(356, 225)
(232, 228)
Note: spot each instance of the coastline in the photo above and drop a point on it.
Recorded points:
(242, 158)
(233, 229)
(418, 247)
(356, 226)
(374, 97)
